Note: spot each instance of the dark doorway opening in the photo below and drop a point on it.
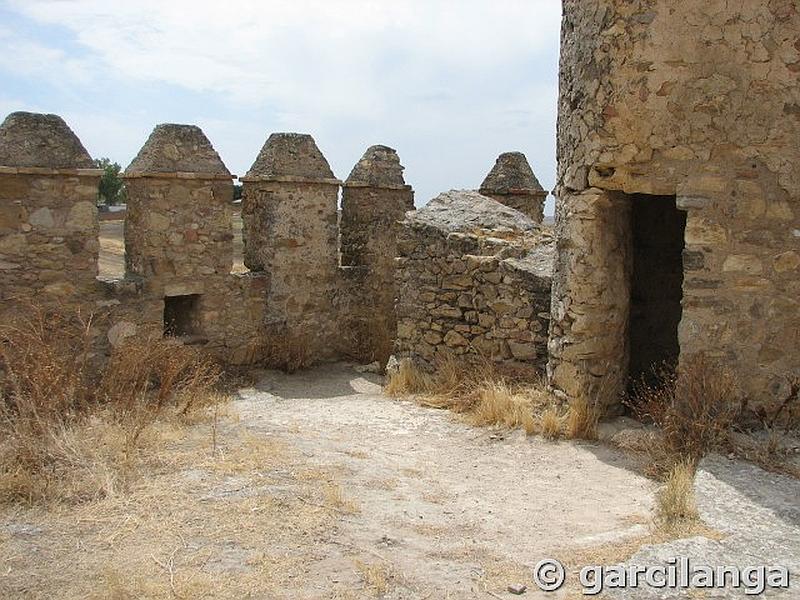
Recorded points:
(657, 228)
(182, 316)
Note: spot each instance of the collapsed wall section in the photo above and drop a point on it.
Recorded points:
(473, 280)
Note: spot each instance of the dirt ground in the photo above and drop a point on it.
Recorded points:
(111, 263)
(317, 485)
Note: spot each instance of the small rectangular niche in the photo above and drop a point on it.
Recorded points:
(182, 316)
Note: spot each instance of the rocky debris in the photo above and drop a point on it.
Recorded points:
(468, 212)
(40, 140)
(379, 167)
(175, 148)
(517, 589)
(291, 155)
(473, 278)
(758, 514)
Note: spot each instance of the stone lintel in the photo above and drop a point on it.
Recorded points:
(289, 179)
(49, 171)
(179, 175)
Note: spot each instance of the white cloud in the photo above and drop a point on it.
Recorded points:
(445, 79)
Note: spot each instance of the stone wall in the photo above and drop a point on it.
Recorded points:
(698, 101)
(474, 278)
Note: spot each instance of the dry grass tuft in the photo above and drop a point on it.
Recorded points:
(407, 379)
(675, 504)
(502, 405)
(582, 420)
(377, 577)
(485, 395)
(336, 499)
(551, 423)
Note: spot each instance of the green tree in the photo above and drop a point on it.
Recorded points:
(112, 187)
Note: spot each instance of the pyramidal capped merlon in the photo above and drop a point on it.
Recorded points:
(290, 156)
(41, 141)
(511, 174)
(512, 182)
(173, 148)
(379, 167)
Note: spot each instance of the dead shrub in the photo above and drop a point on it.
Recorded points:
(696, 410)
(366, 341)
(69, 432)
(501, 404)
(143, 377)
(46, 382)
(288, 351)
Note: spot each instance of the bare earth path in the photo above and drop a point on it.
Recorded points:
(440, 501)
(322, 487)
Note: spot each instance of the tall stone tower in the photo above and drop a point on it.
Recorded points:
(289, 209)
(512, 182)
(48, 214)
(375, 199)
(678, 215)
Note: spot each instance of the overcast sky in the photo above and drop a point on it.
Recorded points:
(449, 84)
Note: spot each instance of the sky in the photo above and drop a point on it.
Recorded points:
(450, 84)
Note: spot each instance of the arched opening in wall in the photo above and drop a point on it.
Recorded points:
(238, 265)
(656, 291)
(111, 259)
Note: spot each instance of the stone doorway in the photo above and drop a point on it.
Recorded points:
(656, 291)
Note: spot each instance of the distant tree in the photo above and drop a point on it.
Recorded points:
(112, 187)
(237, 191)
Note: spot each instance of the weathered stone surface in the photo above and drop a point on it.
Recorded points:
(290, 155)
(173, 148)
(39, 140)
(511, 173)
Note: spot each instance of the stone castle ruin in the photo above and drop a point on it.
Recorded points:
(677, 227)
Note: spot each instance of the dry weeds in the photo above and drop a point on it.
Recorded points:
(485, 396)
(675, 503)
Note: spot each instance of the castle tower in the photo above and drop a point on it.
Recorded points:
(178, 225)
(289, 209)
(48, 209)
(678, 213)
(512, 182)
(375, 199)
